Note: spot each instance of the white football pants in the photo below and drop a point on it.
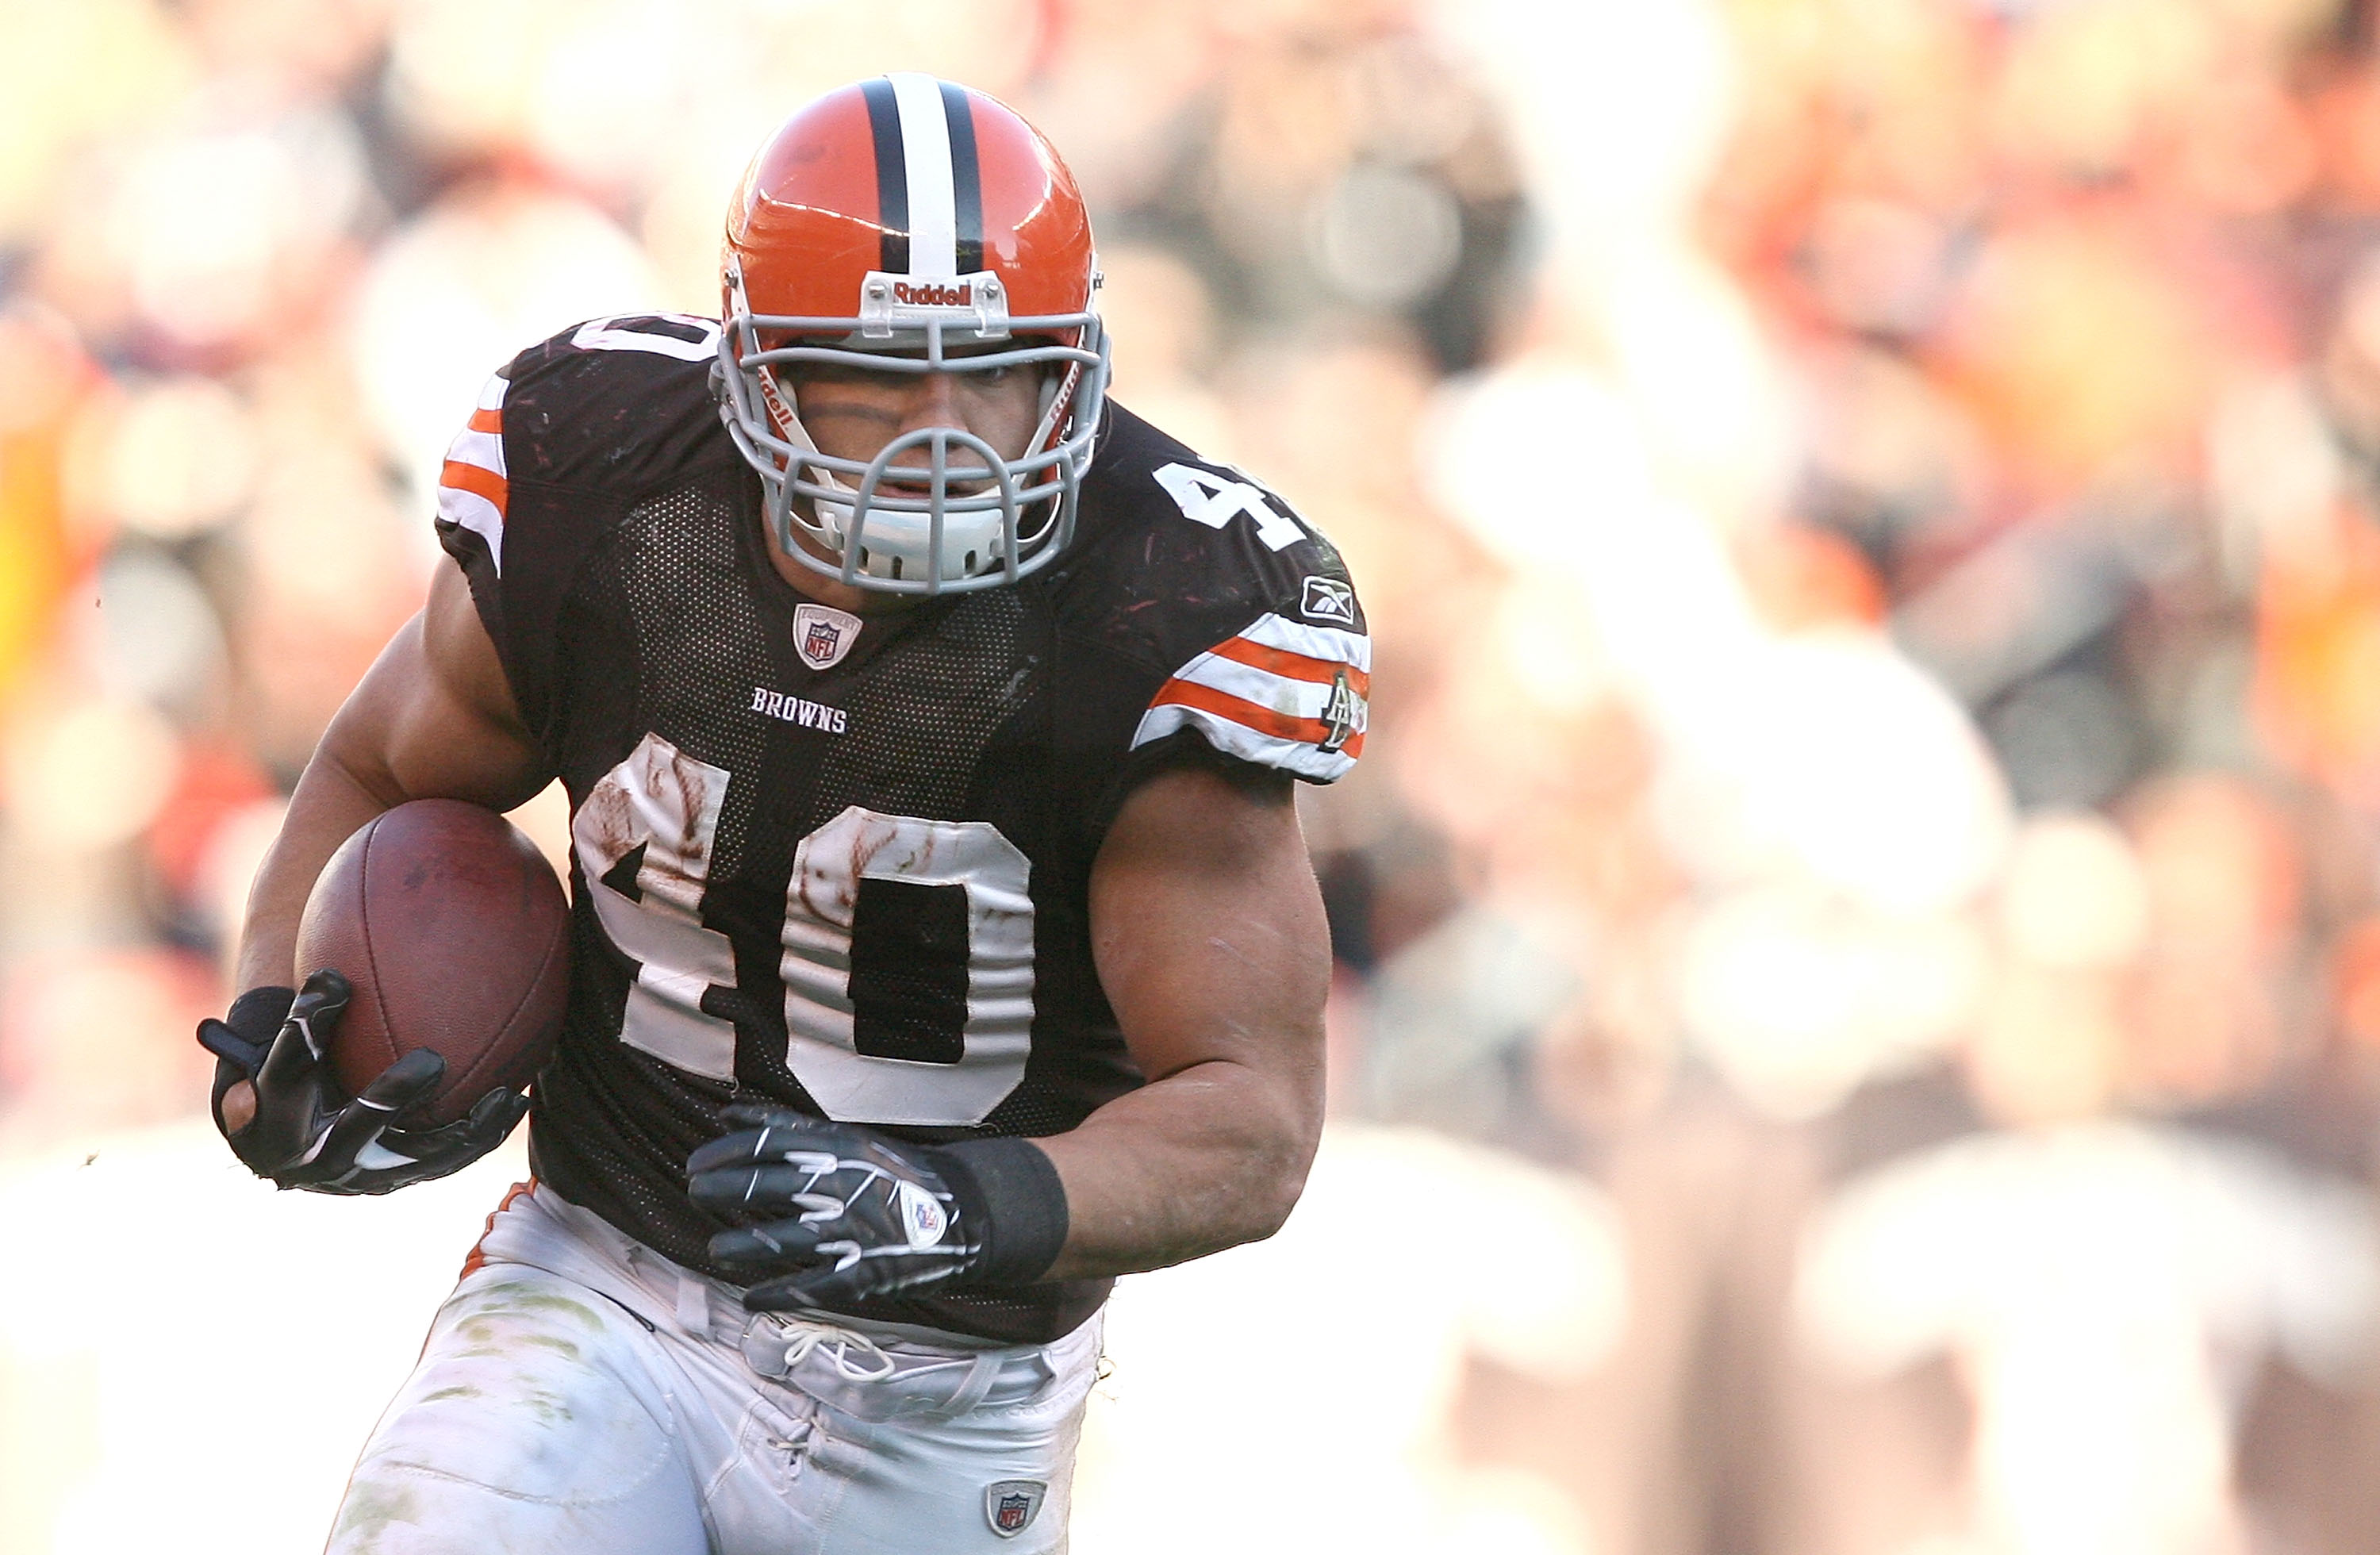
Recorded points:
(579, 1394)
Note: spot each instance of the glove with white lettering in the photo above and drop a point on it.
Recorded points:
(829, 1213)
(308, 1133)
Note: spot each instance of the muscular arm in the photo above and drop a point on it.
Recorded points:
(1208, 928)
(433, 718)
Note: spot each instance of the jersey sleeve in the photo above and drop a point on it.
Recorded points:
(1277, 693)
(472, 491)
(561, 440)
(1211, 624)
(474, 501)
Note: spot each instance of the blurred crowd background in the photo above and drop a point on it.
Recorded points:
(1857, 1025)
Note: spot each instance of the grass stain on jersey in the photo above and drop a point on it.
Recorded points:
(463, 1390)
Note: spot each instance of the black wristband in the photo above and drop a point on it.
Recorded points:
(1012, 1194)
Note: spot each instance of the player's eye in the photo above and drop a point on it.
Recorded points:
(985, 377)
(828, 375)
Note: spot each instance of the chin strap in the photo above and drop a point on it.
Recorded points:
(789, 427)
(1059, 399)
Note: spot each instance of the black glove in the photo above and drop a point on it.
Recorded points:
(307, 1132)
(831, 1213)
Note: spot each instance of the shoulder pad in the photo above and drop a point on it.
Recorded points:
(1170, 538)
(1242, 615)
(569, 433)
(619, 401)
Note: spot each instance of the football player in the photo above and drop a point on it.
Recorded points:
(944, 945)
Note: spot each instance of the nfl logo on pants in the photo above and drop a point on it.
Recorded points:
(1011, 1504)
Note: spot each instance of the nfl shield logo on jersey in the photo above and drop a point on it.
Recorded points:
(1012, 1503)
(824, 634)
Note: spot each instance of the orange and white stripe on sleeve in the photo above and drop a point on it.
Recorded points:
(471, 489)
(1281, 693)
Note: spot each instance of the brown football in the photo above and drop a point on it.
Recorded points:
(455, 935)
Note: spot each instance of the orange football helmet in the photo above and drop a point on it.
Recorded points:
(883, 225)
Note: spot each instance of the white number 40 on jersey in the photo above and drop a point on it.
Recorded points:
(1215, 499)
(644, 837)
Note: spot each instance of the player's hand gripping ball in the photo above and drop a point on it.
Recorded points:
(828, 1213)
(307, 1132)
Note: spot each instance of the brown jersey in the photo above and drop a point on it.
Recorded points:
(843, 863)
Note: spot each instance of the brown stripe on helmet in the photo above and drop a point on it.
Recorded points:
(891, 178)
(966, 178)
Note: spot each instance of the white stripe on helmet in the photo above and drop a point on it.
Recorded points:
(925, 151)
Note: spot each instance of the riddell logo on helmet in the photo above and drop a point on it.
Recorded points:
(934, 294)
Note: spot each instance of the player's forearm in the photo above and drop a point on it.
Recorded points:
(432, 718)
(1214, 952)
(1203, 1159)
(330, 805)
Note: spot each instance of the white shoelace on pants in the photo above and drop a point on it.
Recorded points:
(805, 1336)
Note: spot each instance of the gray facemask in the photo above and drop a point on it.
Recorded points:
(982, 521)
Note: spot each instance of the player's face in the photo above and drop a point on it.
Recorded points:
(853, 412)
